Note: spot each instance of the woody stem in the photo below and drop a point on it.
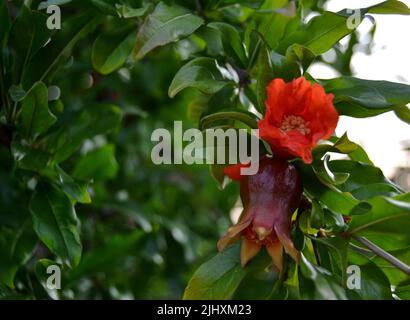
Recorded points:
(383, 254)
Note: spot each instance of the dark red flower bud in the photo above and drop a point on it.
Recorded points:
(269, 198)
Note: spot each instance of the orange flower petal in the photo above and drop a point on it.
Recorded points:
(249, 249)
(287, 243)
(307, 102)
(275, 251)
(232, 234)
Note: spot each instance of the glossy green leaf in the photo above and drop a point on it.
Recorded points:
(98, 164)
(325, 174)
(341, 145)
(317, 283)
(200, 73)
(387, 223)
(111, 50)
(337, 201)
(164, 25)
(374, 285)
(29, 158)
(389, 7)
(231, 41)
(36, 117)
(113, 252)
(218, 278)
(74, 188)
(44, 269)
(94, 120)
(362, 175)
(301, 55)
(320, 34)
(317, 217)
(245, 117)
(16, 247)
(56, 223)
(263, 73)
(127, 12)
(366, 98)
(51, 57)
(403, 113)
(28, 35)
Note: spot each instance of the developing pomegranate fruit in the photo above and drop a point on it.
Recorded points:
(269, 198)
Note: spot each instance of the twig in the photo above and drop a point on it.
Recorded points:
(383, 254)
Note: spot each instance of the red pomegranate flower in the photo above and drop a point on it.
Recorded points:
(297, 116)
(269, 199)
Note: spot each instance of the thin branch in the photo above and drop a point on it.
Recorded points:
(383, 254)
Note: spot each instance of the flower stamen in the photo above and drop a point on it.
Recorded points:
(291, 122)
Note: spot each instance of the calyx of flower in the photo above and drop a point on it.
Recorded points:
(269, 198)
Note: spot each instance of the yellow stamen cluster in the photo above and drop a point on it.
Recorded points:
(295, 123)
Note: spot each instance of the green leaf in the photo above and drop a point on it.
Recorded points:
(245, 117)
(49, 58)
(403, 292)
(36, 117)
(200, 73)
(301, 55)
(28, 35)
(107, 256)
(231, 41)
(218, 278)
(333, 254)
(362, 176)
(394, 275)
(318, 283)
(98, 164)
(341, 145)
(374, 284)
(105, 6)
(111, 50)
(366, 98)
(403, 113)
(386, 224)
(74, 188)
(273, 27)
(389, 7)
(93, 120)
(337, 201)
(56, 223)
(317, 217)
(127, 12)
(262, 72)
(164, 25)
(325, 174)
(28, 157)
(16, 247)
(334, 221)
(320, 34)
(42, 272)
